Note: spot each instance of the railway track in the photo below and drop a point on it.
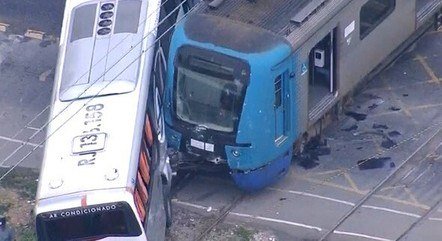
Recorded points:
(430, 141)
(222, 215)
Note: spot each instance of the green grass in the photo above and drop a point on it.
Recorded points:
(244, 234)
(23, 180)
(26, 234)
(4, 207)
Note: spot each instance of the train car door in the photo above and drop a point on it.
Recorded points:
(322, 81)
(281, 106)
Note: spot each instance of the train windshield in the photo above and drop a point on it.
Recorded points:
(208, 94)
(88, 223)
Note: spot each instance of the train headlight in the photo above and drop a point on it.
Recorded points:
(236, 153)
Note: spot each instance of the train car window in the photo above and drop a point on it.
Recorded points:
(373, 13)
(278, 92)
(128, 16)
(84, 22)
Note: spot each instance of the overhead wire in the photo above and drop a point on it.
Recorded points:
(75, 82)
(98, 93)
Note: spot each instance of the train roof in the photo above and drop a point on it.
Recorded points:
(290, 19)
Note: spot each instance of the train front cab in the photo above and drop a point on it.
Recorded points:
(217, 110)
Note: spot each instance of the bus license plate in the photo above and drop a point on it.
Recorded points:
(88, 143)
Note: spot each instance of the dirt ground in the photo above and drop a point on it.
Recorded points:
(17, 193)
(188, 225)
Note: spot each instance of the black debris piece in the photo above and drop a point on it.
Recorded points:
(359, 148)
(388, 143)
(380, 126)
(371, 96)
(373, 163)
(351, 128)
(404, 95)
(392, 165)
(394, 133)
(356, 116)
(308, 163)
(395, 108)
(314, 148)
(44, 43)
(282, 199)
(373, 106)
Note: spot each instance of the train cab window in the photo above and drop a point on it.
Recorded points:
(373, 13)
(83, 22)
(278, 92)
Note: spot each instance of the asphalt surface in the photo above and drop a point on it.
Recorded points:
(21, 15)
(404, 102)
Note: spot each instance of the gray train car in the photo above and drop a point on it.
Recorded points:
(246, 79)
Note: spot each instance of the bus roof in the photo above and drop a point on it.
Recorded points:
(94, 141)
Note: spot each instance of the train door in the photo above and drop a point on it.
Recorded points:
(322, 83)
(281, 106)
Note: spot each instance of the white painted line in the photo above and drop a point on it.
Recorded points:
(435, 219)
(33, 128)
(362, 235)
(313, 195)
(347, 203)
(391, 211)
(18, 141)
(251, 216)
(192, 205)
(277, 221)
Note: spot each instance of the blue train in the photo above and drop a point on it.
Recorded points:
(247, 78)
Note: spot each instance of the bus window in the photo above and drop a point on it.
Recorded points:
(91, 222)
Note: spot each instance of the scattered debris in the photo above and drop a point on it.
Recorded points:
(373, 106)
(308, 163)
(314, 148)
(395, 108)
(356, 116)
(394, 133)
(44, 76)
(373, 163)
(44, 43)
(351, 128)
(388, 143)
(282, 199)
(380, 126)
(371, 96)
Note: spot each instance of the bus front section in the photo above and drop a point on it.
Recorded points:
(218, 108)
(106, 221)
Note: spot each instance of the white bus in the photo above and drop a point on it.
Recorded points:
(105, 173)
